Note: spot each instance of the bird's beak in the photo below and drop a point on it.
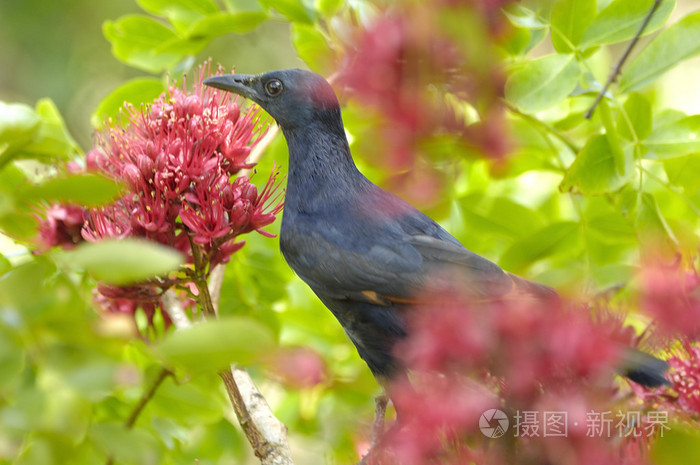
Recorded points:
(240, 84)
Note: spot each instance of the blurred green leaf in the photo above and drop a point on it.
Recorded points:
(683, 171)
(543, 82)
(675, 139)
(635, 112)
(569, 19)
(651, 224)
(621, 20)
(594, 172)
(679, 444)
(83, 189)
(124, 261)
(613, 140)
(128, 446)
(219, 24)
(611, 228)
(312, 48)
(189, 401)
(137, 41)
(18, 123)
(239, 6)
(12, 357)
(502, 216)
(539, 245)
(215, 344)
(294, 10)
(182, 14)
(329, 7)
(673, 45)
(523, 17)
(36, 134)
(52, 139)
(136, 91)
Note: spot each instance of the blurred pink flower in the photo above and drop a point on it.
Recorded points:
(61, 225)
(538, 357)
(298, 367)
(671, 296)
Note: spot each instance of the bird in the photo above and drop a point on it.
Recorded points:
(362, 250)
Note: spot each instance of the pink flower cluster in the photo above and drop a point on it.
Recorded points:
(177, 159)
(418, 74)
(670, 295)
(516, 355)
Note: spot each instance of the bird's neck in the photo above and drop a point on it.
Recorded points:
(321, 168)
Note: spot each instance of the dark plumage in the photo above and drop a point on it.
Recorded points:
(362, 250)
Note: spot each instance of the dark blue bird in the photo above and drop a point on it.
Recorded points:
(363, 251)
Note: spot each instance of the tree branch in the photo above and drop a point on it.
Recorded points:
(623, 58)
(265, 433)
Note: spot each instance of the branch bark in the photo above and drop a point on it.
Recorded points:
(618, 67)
(265, 433)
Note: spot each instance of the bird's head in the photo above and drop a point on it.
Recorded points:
(293, 97)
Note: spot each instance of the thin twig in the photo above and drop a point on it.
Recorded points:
(545, 127)
(146, 397)
(618, 67)
(143, 401)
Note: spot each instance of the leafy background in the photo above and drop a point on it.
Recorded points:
(572, 206)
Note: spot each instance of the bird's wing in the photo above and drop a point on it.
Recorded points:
(394, 269)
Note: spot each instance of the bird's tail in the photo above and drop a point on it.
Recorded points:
(643, 368)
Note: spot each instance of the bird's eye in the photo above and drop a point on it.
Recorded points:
(273, 87)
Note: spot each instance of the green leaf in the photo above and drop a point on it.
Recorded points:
(174, 400)
(593, 172)
(329, 8)
(543, 82)
(538, 245)
(239, 6)
(52, 140)
(125, 261)
(18, 123)
(163, 7)
(502, 216)
(622, 19)
(224, 23)
(312, 47)
(675, 139)
(651, 224)
(683, 171)
(673, 45)
(570, 18)
(294, 10)
(39, 134)
(135, 92)
(215, 344)
(611, 228)
(678, 444)
(523, 17)
(636, 112)
(83, 189)
(136, 41)
(182, 14)
(128, 446)
(613, 140)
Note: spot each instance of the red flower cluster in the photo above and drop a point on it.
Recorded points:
(521, 357)
(176, 158)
